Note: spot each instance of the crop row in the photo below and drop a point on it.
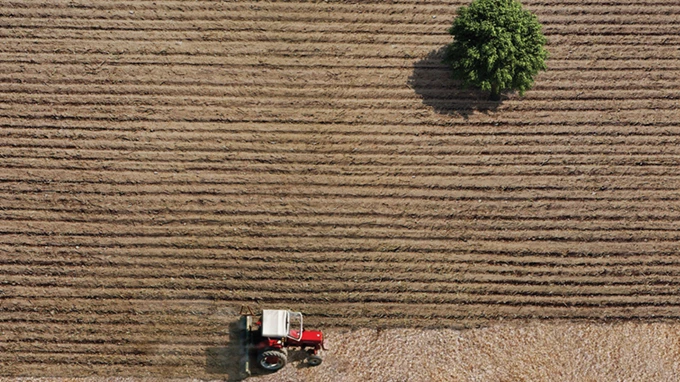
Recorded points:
(488, 303)
(350, 14)
(490, 273)
(359, 314)
(313, 82)
(100, 60)
(177, 209)
(23, 29)
(349, 53)
(393, 186)
(568, 99)
(57, 126)
(206, 160)
(395, 7)
(582, 112)
(638, 170)
(203, 264)
(120, 93)
(413, 222)
(244, 110)
(165, 160)
(215, 139)
(279, 150)
(24, 26)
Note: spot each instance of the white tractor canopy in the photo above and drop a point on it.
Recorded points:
(277, 324)
(274, 323)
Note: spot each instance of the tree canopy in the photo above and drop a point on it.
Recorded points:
(497, 46)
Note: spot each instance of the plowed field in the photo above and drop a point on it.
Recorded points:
(164, 162)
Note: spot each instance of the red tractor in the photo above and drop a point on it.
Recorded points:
(270, 336)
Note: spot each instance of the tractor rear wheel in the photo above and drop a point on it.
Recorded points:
(272, 360)
(314, 360)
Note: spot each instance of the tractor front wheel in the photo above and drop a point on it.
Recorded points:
(314, 360)
(272, 360)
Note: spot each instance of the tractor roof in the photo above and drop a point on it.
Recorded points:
(274, 323)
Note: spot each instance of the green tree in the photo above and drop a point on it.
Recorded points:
(497, 46)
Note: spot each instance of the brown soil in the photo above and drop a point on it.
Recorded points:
(518, 351)
(165, 162)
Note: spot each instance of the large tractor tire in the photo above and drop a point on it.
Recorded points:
(314, 360)
(272, 360)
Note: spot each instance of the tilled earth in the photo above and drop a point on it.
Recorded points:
(164, 162)
(517, 351)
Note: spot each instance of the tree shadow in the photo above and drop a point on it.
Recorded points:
(433, 82)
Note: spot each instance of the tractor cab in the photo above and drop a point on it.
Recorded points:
(282, 324)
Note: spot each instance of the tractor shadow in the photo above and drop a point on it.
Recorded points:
(298, 357)
(223, 361)
(432, 81)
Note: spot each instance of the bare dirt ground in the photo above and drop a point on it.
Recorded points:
(529, 351)
(164, 162)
